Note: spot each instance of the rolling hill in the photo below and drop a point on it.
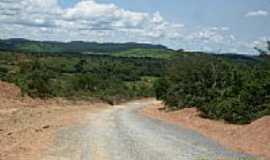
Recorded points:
(24, 45)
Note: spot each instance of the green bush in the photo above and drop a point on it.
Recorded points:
(3, 73)
(34, 79)
(81, 76)
(221, 89)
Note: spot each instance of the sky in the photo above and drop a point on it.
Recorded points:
(221, 26)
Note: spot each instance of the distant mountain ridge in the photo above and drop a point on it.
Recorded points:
(130, 49)
(25, 45)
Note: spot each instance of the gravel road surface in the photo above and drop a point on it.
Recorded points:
(121, 133)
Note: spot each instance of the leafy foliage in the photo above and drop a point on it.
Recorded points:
(147, 53)
(81, 76)
(221, 89)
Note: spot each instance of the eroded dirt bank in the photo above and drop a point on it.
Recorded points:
(27, 126)
(253, 138)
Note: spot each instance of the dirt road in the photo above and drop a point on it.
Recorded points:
(121, 133)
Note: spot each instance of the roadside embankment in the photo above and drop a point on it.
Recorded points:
(253, 138)
(28, 126)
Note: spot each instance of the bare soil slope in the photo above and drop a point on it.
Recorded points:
(28, 126)
(253, 138)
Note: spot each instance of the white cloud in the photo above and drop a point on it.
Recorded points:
(260, 43)
(86, 17)
(103, 22)
(216, 40)
(210, 35)
(257, 13)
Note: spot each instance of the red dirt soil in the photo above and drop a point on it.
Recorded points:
(253, 138)
(28, 126)
(9, 91)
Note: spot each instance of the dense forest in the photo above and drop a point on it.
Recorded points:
(230, 87)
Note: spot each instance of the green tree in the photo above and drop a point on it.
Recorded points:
(34, 77)
(80, 66)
